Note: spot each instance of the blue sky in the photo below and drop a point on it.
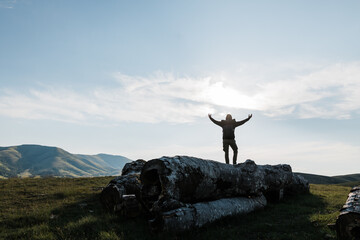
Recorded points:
(138, 78)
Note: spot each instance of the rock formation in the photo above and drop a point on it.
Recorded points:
(348, 222)
(119, 196)
(180, 193)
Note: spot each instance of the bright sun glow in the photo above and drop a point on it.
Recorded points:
(228, 97)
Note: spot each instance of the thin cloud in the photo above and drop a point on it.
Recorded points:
(7, 3)
(46, 104)
(328, 92)
(332, 92)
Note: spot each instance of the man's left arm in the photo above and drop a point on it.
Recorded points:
(239, 123)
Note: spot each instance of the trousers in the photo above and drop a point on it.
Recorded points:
(232, 144)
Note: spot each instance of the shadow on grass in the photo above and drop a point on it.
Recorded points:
(87, 219)
(289, 219)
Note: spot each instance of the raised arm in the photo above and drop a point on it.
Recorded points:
(239, 123)
(213, 120)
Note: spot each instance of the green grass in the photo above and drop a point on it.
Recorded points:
(69, 208)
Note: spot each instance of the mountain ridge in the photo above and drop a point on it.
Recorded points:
(30, 160)
(338, 179)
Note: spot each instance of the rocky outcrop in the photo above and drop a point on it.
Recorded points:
(172, 181)
(198, 214)
(182, 192)
(348, 222)
(119, 196)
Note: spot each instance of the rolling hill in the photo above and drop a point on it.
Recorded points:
(352, 179)
(37, 160)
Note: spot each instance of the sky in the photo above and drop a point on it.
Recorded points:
(138, 79)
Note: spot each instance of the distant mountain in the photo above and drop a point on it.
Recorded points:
(352, 179)
(36, 160)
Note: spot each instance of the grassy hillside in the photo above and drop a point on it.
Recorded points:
(343, 179)
(69, 208)
(348, 178)
(33, 160)
(318, 179)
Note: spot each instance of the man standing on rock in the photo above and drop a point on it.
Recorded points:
(228, 127)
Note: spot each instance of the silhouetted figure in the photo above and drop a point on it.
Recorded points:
(228, 127)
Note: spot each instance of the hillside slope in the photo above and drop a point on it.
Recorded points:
(36, 160)
(342, 179)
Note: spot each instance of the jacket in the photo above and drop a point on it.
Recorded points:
(228, 127)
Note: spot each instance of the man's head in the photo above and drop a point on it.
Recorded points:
(228, 117)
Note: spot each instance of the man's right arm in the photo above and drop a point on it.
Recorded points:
(213, 120)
